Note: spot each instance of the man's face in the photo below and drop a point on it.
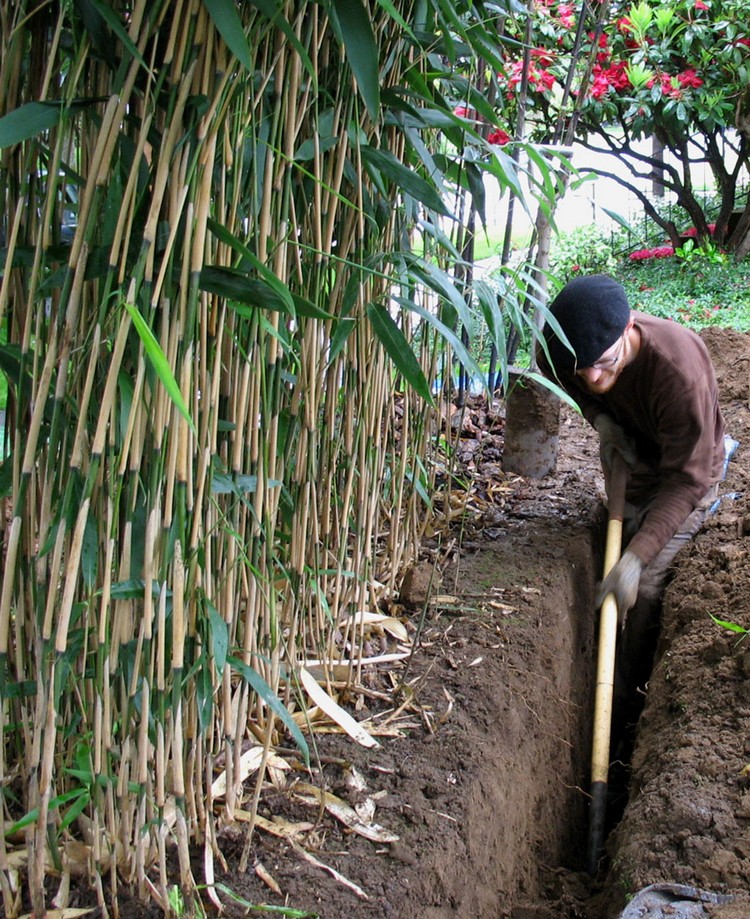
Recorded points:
(601, 376)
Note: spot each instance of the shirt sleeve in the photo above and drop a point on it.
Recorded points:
(687, 421)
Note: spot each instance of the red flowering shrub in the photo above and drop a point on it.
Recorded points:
(672, 69)
(692, 232)
(641, 255)
(498, 137)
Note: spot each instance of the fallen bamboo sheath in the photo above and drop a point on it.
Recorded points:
(605, 672)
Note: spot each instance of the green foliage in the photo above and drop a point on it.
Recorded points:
(584, 250)
(696, 293)
(707, 252)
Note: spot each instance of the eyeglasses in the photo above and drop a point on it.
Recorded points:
(606, 362)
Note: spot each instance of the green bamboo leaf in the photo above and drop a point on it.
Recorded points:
(77, 808)
(418, 481)
(505, 170)
(55, 802)
(553, 387)
(219, 637)
(10, 363)
(6, 476)
(308, 148)
(204, 692)
(115, 23)
(256, 681)
(407, 180)
(305, 307)
(132, 589)
(399, 350)
(618, 218)
(159, 362)
(229, 25)
(287, 911)
(730, 626)
(237, 286)
(441, 282)
(449, 336)
(96, 29)
(243, 291)
(278, 287)
(489, 303)
(476, 186)
(361, 50)
(27, 121)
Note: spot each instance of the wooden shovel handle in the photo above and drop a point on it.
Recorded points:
(617, 481)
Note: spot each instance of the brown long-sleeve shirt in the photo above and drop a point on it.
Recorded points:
(667, 400)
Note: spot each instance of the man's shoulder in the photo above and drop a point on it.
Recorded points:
(661, 325)
(666, 335)
(673, 357)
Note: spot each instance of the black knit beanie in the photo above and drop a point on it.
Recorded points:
(593, 312)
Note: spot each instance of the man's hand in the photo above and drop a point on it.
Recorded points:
(612, 439)
(622, 581)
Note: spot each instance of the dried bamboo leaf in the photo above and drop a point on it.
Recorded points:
(268, 879)
(209, 875)
(339, 669)
(67, 913)
(277, 826)
(382, 623)
(250, 762)
(334, 711)
(346, 814)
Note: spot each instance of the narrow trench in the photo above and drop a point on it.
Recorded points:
(585, 558)
(527, 821)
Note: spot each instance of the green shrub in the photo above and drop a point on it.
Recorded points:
(584, 250)
(696, 293)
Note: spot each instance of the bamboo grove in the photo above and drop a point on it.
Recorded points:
(220, 339)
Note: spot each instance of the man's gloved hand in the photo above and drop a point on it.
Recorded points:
(612, 438)
(622, 581)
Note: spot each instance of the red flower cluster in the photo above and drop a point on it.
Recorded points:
(543, 56)
(689, 78)
(565, 15)
(539, 79)
(640, 255)
(674, 86)
(603, 77)
(565, 12)
(693, 232)
(498, 137)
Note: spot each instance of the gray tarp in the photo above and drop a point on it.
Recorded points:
(671, 901)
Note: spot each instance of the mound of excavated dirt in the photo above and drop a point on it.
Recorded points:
(484, 733)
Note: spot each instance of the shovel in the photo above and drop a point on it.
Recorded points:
(605, 670)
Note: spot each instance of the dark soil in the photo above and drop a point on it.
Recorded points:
(485, 733)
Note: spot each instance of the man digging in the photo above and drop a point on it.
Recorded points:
(649, 389)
